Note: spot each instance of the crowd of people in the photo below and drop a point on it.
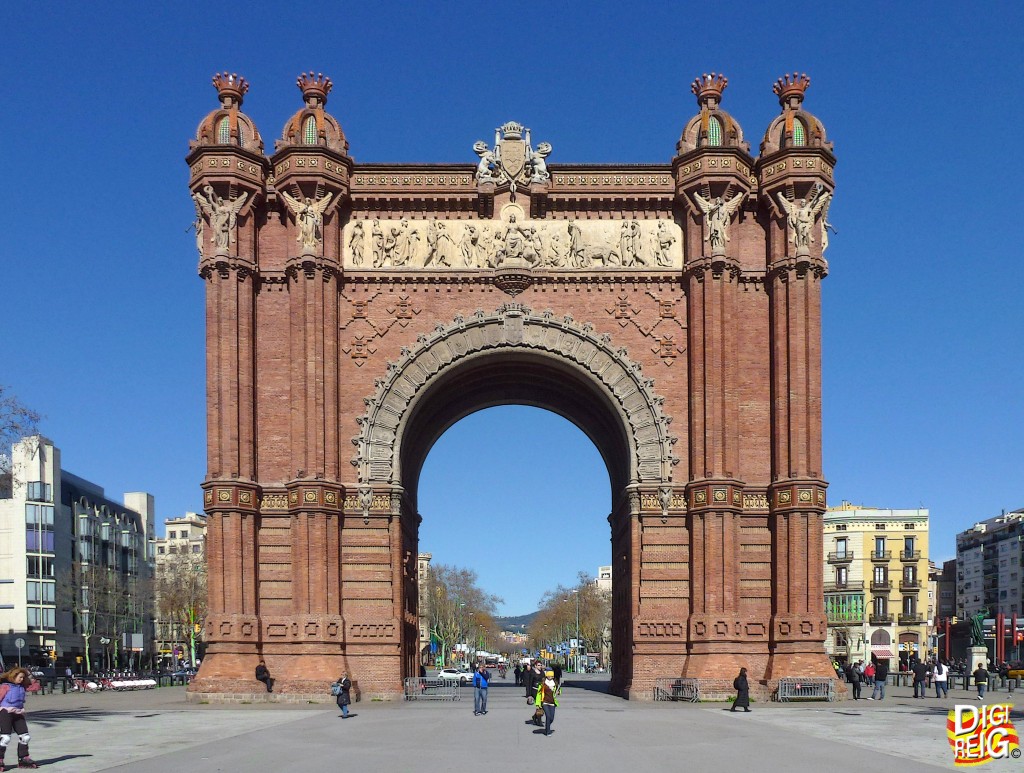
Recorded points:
(926, 673)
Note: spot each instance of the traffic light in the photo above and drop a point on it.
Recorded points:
(1019, 637)
(52, 653)
(197, 628)
(955, 621)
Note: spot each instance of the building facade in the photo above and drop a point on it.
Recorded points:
(75, 571)
(357, 310)
(876, 583)
(422, 573)
(180, 572)
(990, 567)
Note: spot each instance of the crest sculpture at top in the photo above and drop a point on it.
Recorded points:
(512, 160)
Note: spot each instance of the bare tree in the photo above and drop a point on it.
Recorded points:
(181, 597)
(460, 611)
(16, 421)
(565, 611)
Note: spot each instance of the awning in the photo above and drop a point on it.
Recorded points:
(882, 652)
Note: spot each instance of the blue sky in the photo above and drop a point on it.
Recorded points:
(103, 312)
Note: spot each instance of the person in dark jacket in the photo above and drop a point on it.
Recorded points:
(344, 694)
(881, 677)
(518, 674)
(854, 677)
(981, 680)
(921, 671)
(742, 688)
(263, 675)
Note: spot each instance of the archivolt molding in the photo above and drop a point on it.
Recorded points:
(514, 326)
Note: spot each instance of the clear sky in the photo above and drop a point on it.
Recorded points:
(103, 311)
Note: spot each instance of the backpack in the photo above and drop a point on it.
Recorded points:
(336, 689)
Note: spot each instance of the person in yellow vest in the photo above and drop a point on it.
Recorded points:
(547, 698)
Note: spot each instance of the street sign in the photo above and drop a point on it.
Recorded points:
(19, 643)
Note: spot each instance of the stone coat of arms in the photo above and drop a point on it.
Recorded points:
(512, 160)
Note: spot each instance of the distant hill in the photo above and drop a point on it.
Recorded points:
(520, 623)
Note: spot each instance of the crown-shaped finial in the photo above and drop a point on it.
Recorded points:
(512, 130)
(231, 87)
(791, 88)
(314, 86)
(709, 88)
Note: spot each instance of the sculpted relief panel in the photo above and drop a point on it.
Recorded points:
(482, 244)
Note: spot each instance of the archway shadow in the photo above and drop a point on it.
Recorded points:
(592, 685)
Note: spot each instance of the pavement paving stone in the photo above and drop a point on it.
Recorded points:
(154, 731)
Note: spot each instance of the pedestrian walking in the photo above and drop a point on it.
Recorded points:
(481, 680)
(12, 715)
(263, 675)
(940, 675)
(981, 680)
(547, 698)
(881, 676)
(920, 671)
(342, 691)
(518, 674)
(742, 688)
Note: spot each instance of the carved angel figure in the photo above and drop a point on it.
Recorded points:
(717, 215)
(538, 166)
(223, 215)
(197, 224)
(309, 214)
(800, 217)
(825, 225)
(487, 161)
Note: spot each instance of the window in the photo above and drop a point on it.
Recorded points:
(224, 131)
(909, 605)
(309, 131)
(908, 526)
(172, 549)
(40, 618)
(714, 132)
(184, 533)
(39, 514)
(39, 492)
(172, 535)
(908, 546)
(840, 527)
(881, 575)
(909, 574)
(881, 606)
(799, 134)
(842, 638)
(39, 592)
(879, 527)
(842, 574)
(841, 547)
(879, 546)
(160, 550)
(197, 548)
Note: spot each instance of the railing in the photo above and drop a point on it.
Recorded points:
(910, 555)
(669, 689)
(881, 555)
(915, 618)
(910, 584)
(418, 688)
(840, 558)
(880, 619)
(842, 618)
(881, 585)
(809, 689)
(838, 587)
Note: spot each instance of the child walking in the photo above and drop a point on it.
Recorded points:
(12, 715)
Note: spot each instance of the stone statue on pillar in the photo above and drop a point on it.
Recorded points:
(800, 217)
(309, 214)
(717, 215)
(222, 214)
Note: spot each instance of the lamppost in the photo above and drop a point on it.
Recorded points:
(576, 593)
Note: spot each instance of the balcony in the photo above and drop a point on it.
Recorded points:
(842, 587)
(913, 618)
(880, 619)
(881, 555)
(910, 585)
(910, 555)
(844, 617)
(881, 586)
(840, 558)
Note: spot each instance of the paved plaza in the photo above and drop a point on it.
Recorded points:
(157, 730)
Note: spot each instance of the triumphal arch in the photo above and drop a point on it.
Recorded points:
(355, 311)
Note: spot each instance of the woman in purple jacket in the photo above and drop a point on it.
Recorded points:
(12, 715)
